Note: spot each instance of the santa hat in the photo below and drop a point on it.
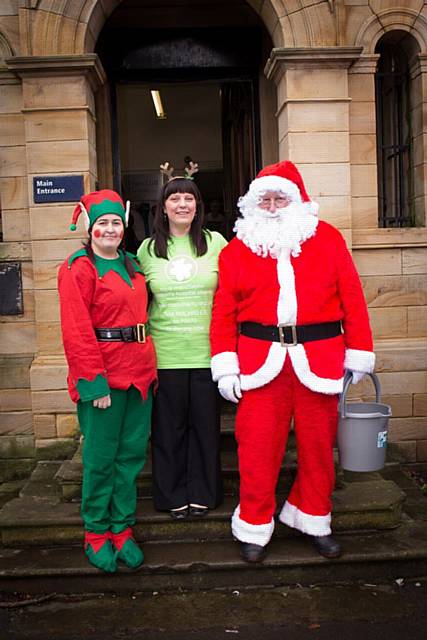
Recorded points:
(97, 204)
(285, 178)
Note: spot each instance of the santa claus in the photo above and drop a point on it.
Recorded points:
(289, 316)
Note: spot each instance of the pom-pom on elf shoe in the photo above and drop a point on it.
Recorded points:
(100, 552)
(327, 546)
(252, 552)
(128, 551)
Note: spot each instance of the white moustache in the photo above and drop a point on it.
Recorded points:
(267, 234)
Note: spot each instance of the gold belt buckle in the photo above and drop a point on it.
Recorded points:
(282, 335)
(140, 333)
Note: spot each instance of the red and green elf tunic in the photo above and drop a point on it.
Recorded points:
(103, 297)
(115, 439)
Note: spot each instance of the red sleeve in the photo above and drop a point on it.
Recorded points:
(76, 284)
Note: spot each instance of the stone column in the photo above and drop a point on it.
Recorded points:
(419, 119)
(59, 116)
(363, 143)
(314, 123)
(17, 332)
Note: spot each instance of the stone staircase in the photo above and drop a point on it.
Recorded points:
(382, 533)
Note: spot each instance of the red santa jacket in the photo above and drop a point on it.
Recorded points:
(90, 301)
(319, 285)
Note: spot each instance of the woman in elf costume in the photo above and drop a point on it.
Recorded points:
(112, 370)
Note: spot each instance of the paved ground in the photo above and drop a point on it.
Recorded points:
(388, 611)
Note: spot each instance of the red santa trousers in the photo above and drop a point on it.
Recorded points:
(262, 427)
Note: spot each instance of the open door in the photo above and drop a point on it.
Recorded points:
(238, 144)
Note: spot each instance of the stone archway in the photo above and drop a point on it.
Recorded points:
(403, 19)
(5, 50)
(75, 28)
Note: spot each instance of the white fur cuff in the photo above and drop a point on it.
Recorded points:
(358, 360)
(253, 533)
(224, 364)
(304, 522)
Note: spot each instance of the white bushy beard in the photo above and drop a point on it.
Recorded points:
(270, 234)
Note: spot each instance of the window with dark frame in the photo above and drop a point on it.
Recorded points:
(394, 136)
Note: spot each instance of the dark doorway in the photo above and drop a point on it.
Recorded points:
(207, 80)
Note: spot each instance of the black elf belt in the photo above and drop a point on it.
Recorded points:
(289, 335)
(136, 333)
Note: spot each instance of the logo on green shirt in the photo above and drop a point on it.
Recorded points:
(181, 268)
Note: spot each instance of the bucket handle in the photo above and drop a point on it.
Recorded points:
(347, 380)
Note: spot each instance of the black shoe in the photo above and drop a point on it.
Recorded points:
(198, 511)
(252, 552)
(179, 514)
(326, 546)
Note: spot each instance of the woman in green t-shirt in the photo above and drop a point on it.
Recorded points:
(180, 263)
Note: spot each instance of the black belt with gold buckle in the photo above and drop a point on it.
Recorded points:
(289, 335)
(137, 333)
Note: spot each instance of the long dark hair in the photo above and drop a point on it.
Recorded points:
(127, 261)
(161, 231)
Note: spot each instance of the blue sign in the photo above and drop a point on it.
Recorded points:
(57, 188)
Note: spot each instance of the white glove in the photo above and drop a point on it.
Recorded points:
(357, 376)
(229, 388)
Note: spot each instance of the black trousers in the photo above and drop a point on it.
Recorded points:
(185, 440)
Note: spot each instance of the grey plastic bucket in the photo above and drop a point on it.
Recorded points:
(362, 430)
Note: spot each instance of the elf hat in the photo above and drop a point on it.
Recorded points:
(97, 204)
(285, 178)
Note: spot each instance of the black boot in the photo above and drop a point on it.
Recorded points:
(326, 546)
(252, 552)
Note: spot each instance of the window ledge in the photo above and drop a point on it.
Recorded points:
(387, 238)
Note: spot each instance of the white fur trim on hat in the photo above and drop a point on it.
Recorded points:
(304, 522)
(358, 360)
(86, 220)
(264, 184)
(127, 210)
(224, 364)
(252, 533)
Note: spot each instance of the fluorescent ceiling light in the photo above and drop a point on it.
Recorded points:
(157, 101)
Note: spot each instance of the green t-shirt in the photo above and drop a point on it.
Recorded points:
(183, 288)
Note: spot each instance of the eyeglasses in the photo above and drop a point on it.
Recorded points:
(279, 202)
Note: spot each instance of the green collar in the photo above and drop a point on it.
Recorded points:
(103, 265)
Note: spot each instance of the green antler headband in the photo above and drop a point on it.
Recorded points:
(189, 171)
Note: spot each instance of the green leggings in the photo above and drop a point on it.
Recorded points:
(114, 452)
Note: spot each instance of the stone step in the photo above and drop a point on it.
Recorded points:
(70, 472)
(69, 475)
(40, 516)
(399, 553)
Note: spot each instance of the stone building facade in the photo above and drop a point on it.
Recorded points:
(317, 106)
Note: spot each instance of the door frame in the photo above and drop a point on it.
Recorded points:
(197, 77)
